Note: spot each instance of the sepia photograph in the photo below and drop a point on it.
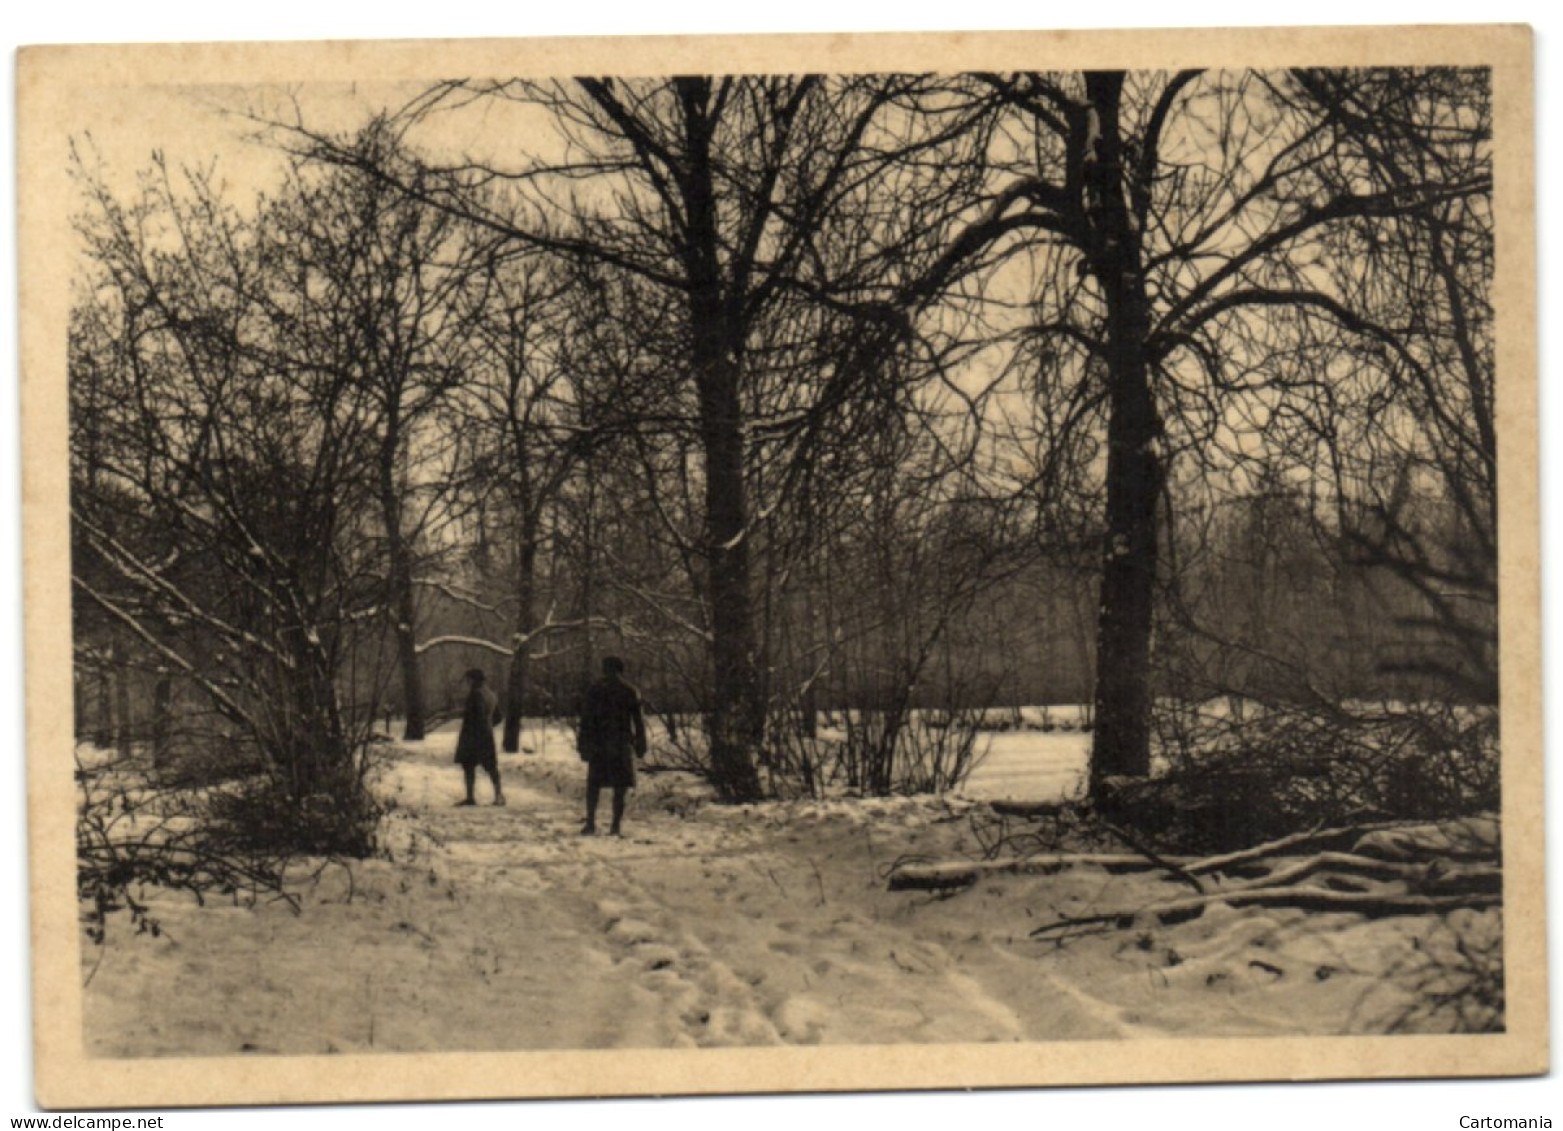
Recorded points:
(1009, 559)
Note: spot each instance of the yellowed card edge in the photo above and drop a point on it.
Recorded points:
(49, 77)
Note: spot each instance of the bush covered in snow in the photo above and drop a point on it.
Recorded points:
(140, 830)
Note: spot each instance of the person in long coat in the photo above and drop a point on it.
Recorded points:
(611, 737)
(475, 743)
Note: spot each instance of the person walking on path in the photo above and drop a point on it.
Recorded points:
(475, 744)
(612, 736)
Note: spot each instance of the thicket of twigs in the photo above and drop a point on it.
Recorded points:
(1392, 817)
(876, 753)
(242, 840)
(865, 753)
(1456, 971)
(1240, 774)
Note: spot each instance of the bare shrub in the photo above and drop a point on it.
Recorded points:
(682, 745)
(1427, 760)
(261, 816)
(132, 834)
(1450, 980)
(877, 752)
(1235, 772)
(247, 841)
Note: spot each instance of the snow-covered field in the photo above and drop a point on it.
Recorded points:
(1039, 756)
(502, 928)
(1027, 765)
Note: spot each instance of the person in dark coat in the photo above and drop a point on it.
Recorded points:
(475, 744)
(612, 736)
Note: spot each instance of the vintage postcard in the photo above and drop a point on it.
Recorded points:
(689, 565)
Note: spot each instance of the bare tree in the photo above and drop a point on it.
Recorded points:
(218, 526)
(1420, 285)
(379, 276)
(718, 190)
(522, 399)
(1189, 207)
(1167, 262)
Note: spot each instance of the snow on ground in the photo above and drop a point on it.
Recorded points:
(1029, 754)
(502, 928)
(1027, 765)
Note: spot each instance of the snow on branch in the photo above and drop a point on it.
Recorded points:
(521, 639)
(461, 596)
(229, 705)
(467, 641)
(129, 566)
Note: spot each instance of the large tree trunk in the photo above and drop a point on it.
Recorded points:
(737, 723)
(737, 720)
(526, 588)
(1124, 625)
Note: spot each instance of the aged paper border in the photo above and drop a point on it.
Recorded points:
(53, 81)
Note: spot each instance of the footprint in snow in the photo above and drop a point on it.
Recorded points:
(800, 1020)
(630, 932)
(656, 957)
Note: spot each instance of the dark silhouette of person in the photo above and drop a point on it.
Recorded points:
(612, 736)
(475, 744)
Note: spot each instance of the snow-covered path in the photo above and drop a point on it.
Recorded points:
(724, 926)
(502, 928)
(497, 928)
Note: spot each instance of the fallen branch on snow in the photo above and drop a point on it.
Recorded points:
(963, 873)
(943, 876)
(1430, 869)
(1030, 808)
(1374, 905)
